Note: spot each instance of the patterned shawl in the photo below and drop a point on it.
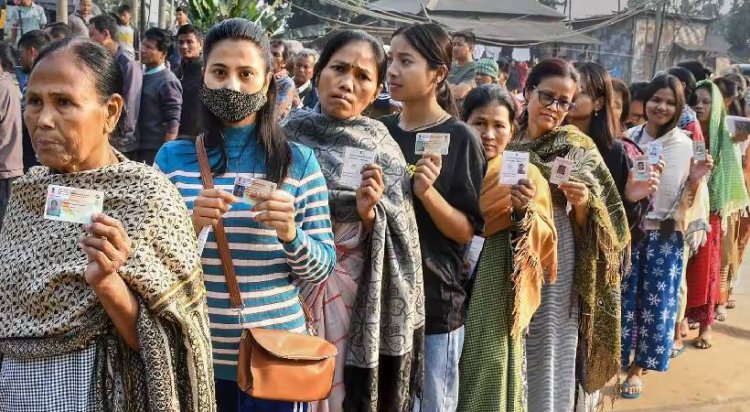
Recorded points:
(46, 307)
(387, 324)
(727, 192)
(535, 250)
(602, 251)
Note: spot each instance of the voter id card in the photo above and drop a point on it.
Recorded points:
(641, 168)
(654, 153)
(248, 189)
(69, 204)
(699, 151)
(354, 161)
(561, 170)
(432, 143)
(515, 167)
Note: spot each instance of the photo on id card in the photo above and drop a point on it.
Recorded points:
(432, 143)
(248, 189)
(515, 167)
(561, 170)
(354, 161)
(69, 204)
(641, 168)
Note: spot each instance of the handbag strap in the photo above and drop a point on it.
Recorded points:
(222, 243)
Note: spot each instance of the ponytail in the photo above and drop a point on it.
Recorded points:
(445, 99)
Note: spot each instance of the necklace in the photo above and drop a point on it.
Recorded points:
(441, 120)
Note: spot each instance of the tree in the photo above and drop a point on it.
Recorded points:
(271, 16)
(739, 34)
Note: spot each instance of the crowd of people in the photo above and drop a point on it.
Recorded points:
(441, 288)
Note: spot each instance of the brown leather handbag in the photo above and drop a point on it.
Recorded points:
(273, 364)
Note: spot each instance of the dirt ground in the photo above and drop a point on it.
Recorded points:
(717, 379)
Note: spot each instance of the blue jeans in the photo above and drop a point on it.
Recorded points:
(441, 355)
(229, 398)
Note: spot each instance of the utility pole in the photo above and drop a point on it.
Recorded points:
(659, 28)
(135, 12)
(62, 11)
(163, 13)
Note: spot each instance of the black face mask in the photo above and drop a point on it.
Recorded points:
(232, 106)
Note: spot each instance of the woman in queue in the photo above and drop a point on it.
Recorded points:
(285, 237)
(377, 280)
(110, 314)
(592, 247)
(520, 253)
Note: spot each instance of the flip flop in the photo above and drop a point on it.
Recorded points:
(693, 326)
(626, 386)
(702, 343)
(731, 304)
(677, 352)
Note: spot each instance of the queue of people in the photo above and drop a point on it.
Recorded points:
(276, 202)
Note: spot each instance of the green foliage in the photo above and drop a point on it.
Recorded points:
(739, 34)
(271, 16)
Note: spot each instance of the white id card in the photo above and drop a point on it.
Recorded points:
(69, 204)
(432, 143)
(641, 168)
(247, 189)
(654, 153)
(699, 151)
(351, 170)
(515, 167)
(561, 170)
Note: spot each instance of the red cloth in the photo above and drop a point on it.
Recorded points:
(696, 133)
(704, 269)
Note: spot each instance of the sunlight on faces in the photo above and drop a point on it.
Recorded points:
(617, 106)
(236, 65)
(349, 83)
(461, 49)
(303, 70)
(660, 109)
(151, 56)
(546, 118)
(97, 36)
(189, 45)
(494, 126)
(703, 105)
(636, 114)
(409, 75)
(68, 123)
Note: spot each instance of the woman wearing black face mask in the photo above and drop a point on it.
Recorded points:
(285, 238)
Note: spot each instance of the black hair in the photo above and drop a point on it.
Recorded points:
(285, 53)
(595, 80)
(278, 154)
(58, 29)
(483, 96)
(343, 38)
(619, 87)
(544, 69)
(637, 90)
(7, 60)
(730, 90)
(190, 29)
(685, 77)
(36, 39)
(699, 71)
(468, 35)
(503, 67)
(161, 37)
(666, 81)
(183, 9)
(124, 8)
(104, 22)
(98, 64)
(432, 42)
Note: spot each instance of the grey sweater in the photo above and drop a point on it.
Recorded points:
(11, 148)
(161, 105)
(131, 93)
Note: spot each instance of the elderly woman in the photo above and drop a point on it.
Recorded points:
(108, 315)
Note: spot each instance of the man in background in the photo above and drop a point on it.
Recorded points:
(11, 135)
(463, 71)
(29, 47)
(24, 18)
(58, 31)
(190, 74)
(79, 20)
(103, 30)
(304, 66)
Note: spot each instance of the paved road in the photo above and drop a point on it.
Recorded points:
(713, 380)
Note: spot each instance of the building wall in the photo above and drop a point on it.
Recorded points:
(675, 30)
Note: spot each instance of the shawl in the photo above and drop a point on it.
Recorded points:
(387, 321)
(47, 308)
(727, 192)
(602, 251)
(536, 247)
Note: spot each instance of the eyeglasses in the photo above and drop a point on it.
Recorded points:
(547, 99)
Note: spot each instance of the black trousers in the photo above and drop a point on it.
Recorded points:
(4, 196)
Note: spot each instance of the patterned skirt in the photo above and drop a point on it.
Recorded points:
(493, 363)
(730, 258)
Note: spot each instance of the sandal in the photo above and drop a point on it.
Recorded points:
(731, 304)
(721, 313)
(694, 325)
(702, 343)
(626, 390)
(677, 352)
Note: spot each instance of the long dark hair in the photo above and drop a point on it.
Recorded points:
(345, 37)
(7, 61)
(544, 69)
(98, 64)
(666, 81)
(485, 95)
(433, 43)
(596, 82)
(278, 155)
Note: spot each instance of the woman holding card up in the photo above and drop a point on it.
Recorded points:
(519, 255)
(650, 290)
(447, 167)
(591, 250)
(282, 239)
(377, 280)
(109, 315)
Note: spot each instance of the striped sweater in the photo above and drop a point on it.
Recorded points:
(266, 268)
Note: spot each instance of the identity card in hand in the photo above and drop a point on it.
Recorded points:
(654, 153)
(432, 143)
(515, 167)
(561, 170)
(641, 168)
(69, 204)
(354, 161)
(699, 151)
(738, 124)
(248, 189)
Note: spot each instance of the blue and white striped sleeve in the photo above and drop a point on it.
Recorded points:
(312, 254)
